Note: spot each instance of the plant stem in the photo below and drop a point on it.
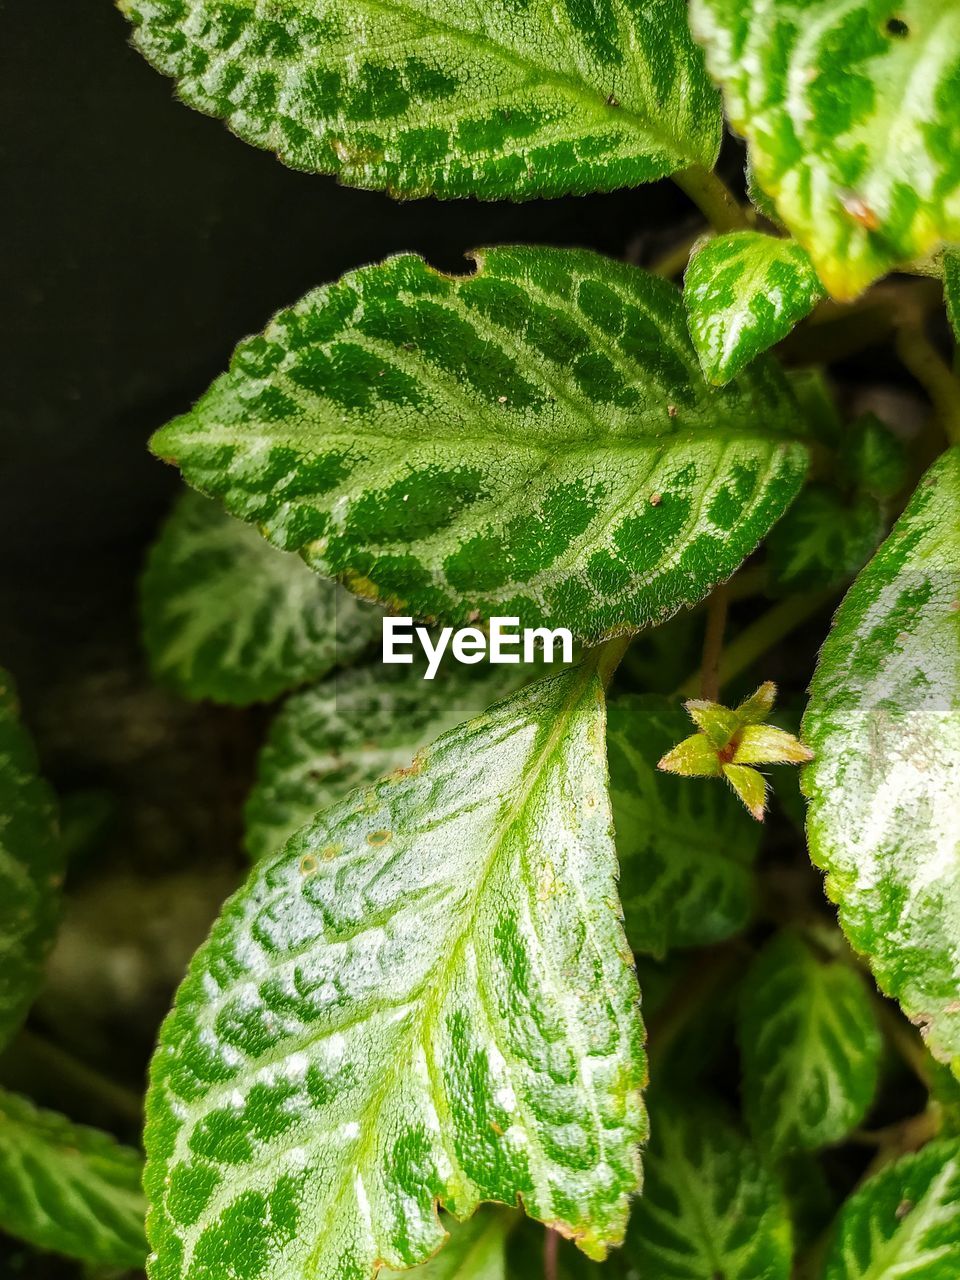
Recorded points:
(713, 198)
(760, 636)
(33, 1055)
(606, 657)
(901, 1036)
(925, 362)
(713, 643)
(550, 1246)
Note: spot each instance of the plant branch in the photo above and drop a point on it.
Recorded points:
(713, 198)
(760, 636)
(32, 1055)
(551, 1245)
(925, 362)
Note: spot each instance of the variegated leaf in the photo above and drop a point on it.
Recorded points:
(423, 96)
(350, 730)
(904, 1221)
(810, 1047)
(228, 617)
(745, 291)
(533, 440)
(852, 116)
(427, 997)
(686, 851)
(884, 786)
(68, 1188)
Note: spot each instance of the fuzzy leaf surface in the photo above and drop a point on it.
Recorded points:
(810, 1047)
(852, 114)
(68, 1188)
(686, 848)
(823, 539)
(427, 996)
(884, 787)
(422, 97)
(709, 1207)
(744, 292)
(228, 617)
(534, 440)
(352, 729)
(905, 1221)
(31, 866)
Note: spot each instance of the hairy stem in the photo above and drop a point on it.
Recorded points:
(713, 198)
(760, 636)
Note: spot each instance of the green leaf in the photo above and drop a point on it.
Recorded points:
(709, 1207)
(851, 113)
(951, 288)
(905, 1221)
(744, 292)
(352, 729)
(228, 617)
(427, 997)
(533, 440)
(873, 458)
(31, 866)
(822, 540)
(422, 97)
(67, 1188)
(475, 1250)
(686, 851)
(884, 787)
(809, 1045)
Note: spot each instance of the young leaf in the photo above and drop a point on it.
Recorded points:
(744, 292)
(709, 1207)
(904, 1221)
(951, 288)
(533, 440)
(884, 787)
(685, 851)
(475, 1250)
(427, 997)
(69, 1189)
(228, 617)
(809, 1045)
(822, 540)
(352, 729)
(849, 112)
(423, 97)
(31, 866)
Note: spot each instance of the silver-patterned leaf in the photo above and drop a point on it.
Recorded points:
(884, 786)
(228, 617)
(68, 1188)
(427, 996)
(353, 728)
(533, 440)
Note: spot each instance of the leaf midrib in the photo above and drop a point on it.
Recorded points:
(439, 978)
